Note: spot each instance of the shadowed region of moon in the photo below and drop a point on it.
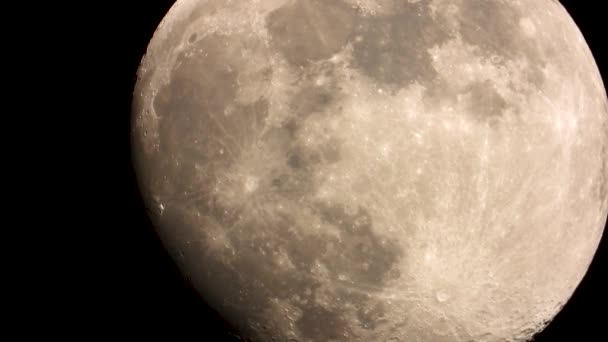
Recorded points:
(374, 170)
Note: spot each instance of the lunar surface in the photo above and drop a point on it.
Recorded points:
(375, 170)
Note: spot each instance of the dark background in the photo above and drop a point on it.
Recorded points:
(135, 289)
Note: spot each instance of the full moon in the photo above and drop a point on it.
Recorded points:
(375, 170)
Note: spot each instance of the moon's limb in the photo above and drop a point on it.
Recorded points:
(330, 172)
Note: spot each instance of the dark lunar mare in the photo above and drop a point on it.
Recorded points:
(392, 48)
(309, 31)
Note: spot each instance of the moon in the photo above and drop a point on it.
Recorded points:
(375, 170)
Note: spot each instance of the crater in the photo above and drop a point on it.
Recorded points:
(192, 38)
